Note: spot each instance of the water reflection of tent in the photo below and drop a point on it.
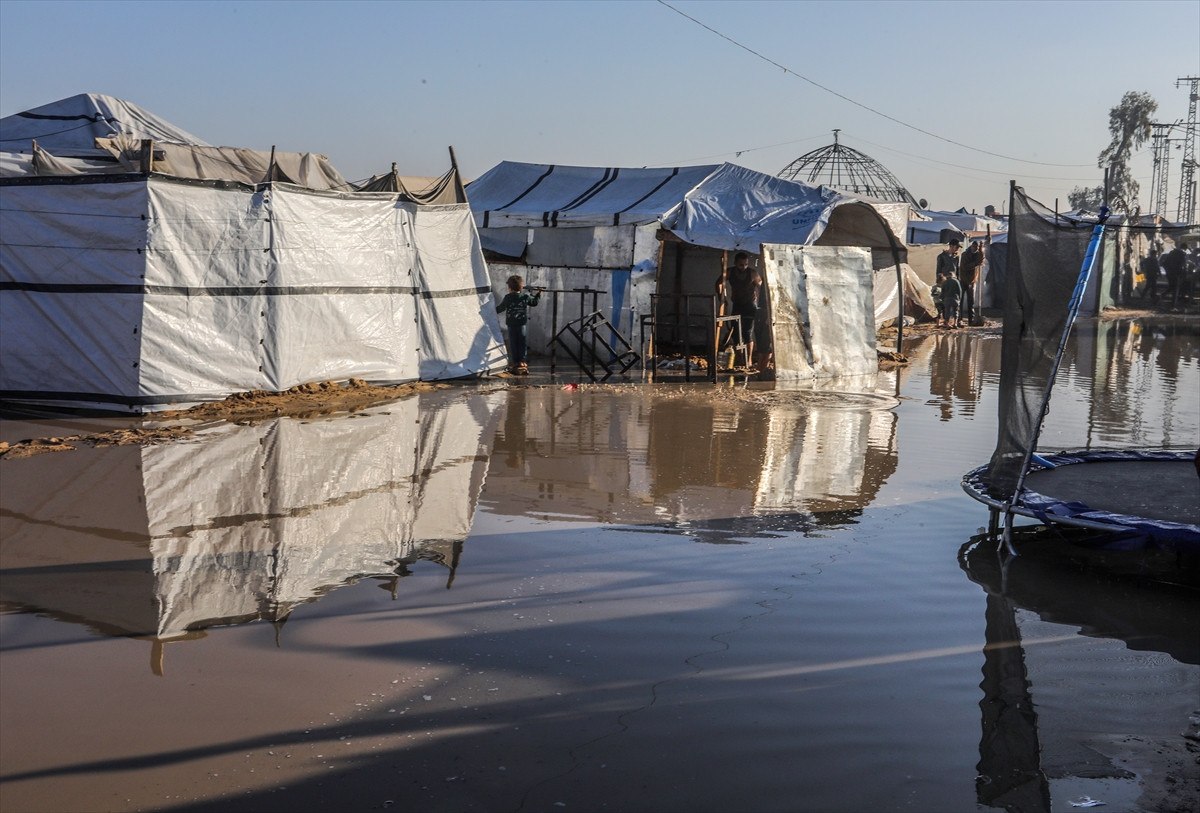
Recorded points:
(788, 459)
(1016, 748)
(245, 523)
(668, 231)
(153, 269)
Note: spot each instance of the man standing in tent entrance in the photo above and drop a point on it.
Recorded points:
(742, 286)
(515, 307)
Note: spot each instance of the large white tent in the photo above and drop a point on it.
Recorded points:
(636, 232)
(170, 272)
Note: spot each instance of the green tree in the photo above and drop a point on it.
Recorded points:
(1087, 198)
(1129, 125)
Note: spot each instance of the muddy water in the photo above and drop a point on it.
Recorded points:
(627, 598)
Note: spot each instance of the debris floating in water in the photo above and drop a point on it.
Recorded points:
(1087, 801)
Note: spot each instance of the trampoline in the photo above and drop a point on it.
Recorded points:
(1146, 498)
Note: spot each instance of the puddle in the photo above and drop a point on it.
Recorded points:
(626, 597)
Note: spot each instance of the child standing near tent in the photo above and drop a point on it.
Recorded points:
(515, 307)
(951, 292)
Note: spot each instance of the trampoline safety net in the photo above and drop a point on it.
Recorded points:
(1046, 253)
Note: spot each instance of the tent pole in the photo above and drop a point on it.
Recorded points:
(460, 192)
(899, 293)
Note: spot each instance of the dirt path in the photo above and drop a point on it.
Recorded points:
(306, 400)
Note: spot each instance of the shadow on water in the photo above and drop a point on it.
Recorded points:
(1067, 585)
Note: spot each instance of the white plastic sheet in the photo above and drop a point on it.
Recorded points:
(822, 310)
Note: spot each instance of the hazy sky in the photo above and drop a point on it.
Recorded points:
(631, 83)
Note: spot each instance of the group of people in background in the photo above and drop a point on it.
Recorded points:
(1180, 266)
(956, 276)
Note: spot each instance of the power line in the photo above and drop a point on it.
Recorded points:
(1006, 172)
(843, 97)
(734, 153)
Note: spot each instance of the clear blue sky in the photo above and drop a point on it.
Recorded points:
(629, 83)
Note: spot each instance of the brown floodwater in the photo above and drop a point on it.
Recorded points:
(634, 597)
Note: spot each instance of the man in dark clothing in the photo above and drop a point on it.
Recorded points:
(741, 285)
(1173, 263)
(948, 264)
(968, 270)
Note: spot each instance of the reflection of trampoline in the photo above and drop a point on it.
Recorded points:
(1035, 751)
(1149, 495)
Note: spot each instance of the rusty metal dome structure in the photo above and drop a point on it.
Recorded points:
(847, 170)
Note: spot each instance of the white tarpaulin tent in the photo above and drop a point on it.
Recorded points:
(69, 127)
(572, 227)
(146, 291)
(721, 206)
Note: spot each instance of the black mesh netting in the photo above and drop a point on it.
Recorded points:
(1045, 254)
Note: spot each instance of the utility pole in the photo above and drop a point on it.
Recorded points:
(1187, 183)
(1160, 142)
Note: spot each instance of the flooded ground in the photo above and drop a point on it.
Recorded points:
(658, 598)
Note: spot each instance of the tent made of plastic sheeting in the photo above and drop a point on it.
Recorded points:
(306, 169)
(70, 126)
(917, 300)
(615, 230)
(166, 540)
(966, 221)
(123, 155)
(722, 206)
(146, 292)
(92, 133)
(922, 232)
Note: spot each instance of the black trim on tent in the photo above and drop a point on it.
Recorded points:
(661, 184)
(72, 180)
(482, 289)
(532, 187)
(106, 398)
(79, 117)
(586, 195)
(590, 192)
(236, 290)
